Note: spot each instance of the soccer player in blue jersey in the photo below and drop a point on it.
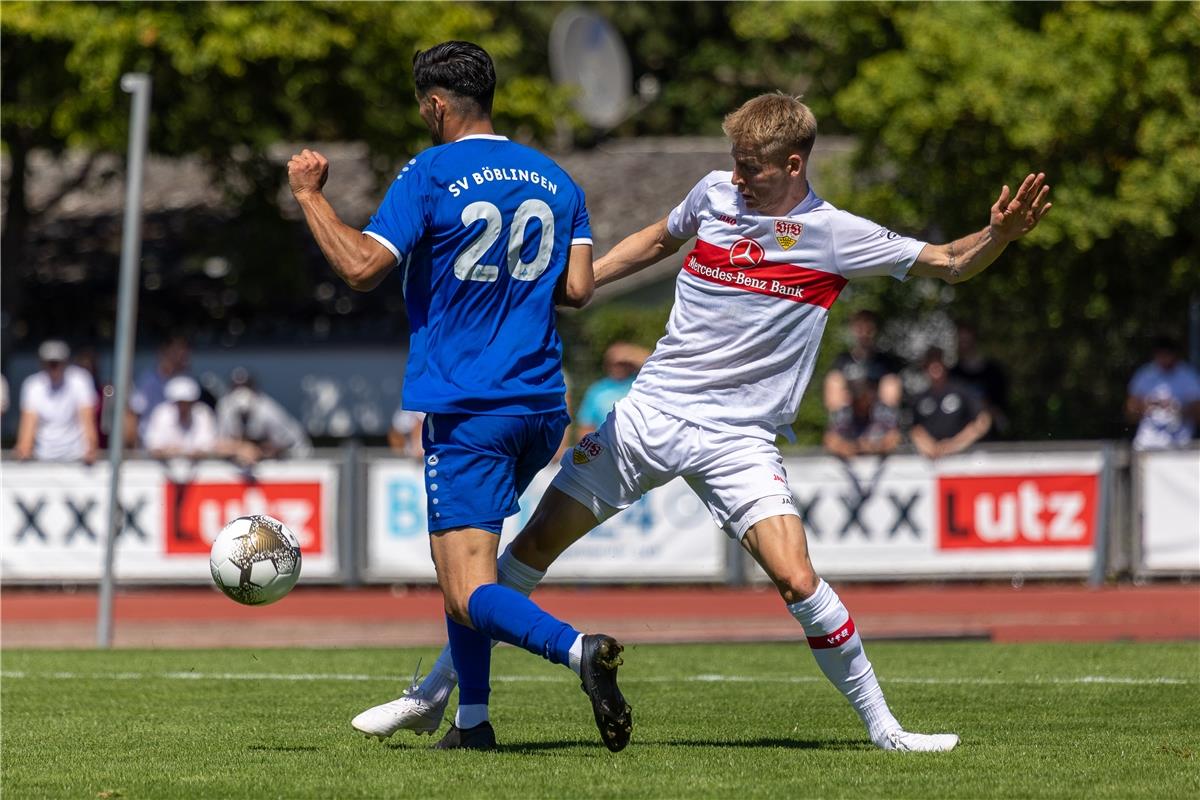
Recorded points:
(490, 235)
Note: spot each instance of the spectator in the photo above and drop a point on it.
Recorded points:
(181, 426)
(1164, 399)
(622, 360)
(404, 434)
(865, 427)
(948, 417)
(58, 405)
(863, 361)
(252, 426)
(986, 376)
(87, 360)
(174, 358)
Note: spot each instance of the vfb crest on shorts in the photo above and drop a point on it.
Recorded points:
(587, 449)
(787, 233)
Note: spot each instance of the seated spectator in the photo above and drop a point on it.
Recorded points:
(865, 427)
(252, 426)
(58, 406)
(948, 417)
(174, 358)
(1164, 399)
(404, 434)
(622, 360)
(863, 361)
(181, 426)
(986, 376)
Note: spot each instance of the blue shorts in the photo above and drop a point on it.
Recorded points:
(478, 466)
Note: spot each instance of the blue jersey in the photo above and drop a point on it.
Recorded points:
(482, 228)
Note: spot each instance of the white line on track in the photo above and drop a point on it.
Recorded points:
(1117, 680)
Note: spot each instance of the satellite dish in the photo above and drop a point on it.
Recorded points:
(587, 54)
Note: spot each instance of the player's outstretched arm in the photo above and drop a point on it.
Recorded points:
(636, 252)
(1012, 217)
(358, 259)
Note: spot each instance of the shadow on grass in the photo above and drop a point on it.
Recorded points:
(737, 744)
(282, 748)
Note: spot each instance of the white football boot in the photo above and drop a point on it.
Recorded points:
(410, 711)
(919, 742)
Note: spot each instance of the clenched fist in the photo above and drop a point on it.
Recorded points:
(307, 172)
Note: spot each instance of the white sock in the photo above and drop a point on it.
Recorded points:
(838, 649)
(441, 680)
(470, 716)
(576, 656)
(516, 574)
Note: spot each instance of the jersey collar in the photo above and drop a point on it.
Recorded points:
(490, 136)
(809, 202)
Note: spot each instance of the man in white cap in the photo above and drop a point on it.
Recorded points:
(180, 426)
(58, 404)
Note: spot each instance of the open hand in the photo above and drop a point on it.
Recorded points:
(1012, 219)
(307, 172)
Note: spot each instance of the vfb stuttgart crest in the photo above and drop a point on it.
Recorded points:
(587, 449)
(787, 233)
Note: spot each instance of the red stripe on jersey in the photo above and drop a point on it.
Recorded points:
(835, 639)
(788, 281)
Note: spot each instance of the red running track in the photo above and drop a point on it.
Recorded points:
(334, 617)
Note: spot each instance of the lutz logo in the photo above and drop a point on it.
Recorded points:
(787, 233)
(196, 512)
(1017, 511)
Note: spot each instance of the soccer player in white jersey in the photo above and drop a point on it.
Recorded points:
(751, 303)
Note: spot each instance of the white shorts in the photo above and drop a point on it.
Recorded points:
(739, 478)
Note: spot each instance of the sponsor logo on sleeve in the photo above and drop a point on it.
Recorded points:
(787, 233)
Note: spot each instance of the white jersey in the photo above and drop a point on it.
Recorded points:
(59, 433)
(751, 304)
(164, 431)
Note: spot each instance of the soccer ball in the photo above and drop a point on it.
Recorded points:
(255, 560)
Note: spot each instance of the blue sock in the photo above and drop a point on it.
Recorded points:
(509, 616)
(472, 655)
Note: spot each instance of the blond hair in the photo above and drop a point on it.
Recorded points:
(772, 125)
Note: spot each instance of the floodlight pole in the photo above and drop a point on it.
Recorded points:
(138, 85)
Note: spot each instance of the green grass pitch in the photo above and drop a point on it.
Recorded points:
(721, 721)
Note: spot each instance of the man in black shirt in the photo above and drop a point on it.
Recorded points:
(949, 416)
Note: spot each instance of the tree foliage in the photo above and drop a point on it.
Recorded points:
(1103, 98)
(230, 80)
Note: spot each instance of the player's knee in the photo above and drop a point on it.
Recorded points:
(798, 585)
(458, 608)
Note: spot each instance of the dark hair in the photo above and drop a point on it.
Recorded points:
(462, 68)
(865, 315)
(1165, 343)
(934, 355)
